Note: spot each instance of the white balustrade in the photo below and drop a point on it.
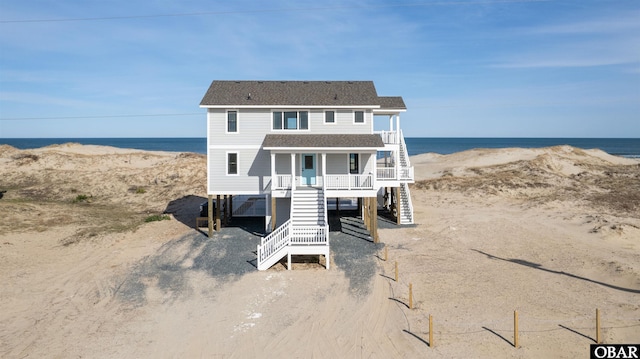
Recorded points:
(349, 181)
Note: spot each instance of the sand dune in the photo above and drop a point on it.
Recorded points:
(553, 233)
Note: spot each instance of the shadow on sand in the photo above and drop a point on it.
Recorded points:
(525, 263)
(231, 254)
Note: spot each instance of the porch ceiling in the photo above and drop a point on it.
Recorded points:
(332, 141)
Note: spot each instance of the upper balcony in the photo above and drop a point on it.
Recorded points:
(390, 137)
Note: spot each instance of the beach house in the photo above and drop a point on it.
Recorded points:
(287, 150)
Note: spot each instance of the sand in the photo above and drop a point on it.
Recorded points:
(553, 233)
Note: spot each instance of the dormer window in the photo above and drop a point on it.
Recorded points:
(358, 116)
(290, 120)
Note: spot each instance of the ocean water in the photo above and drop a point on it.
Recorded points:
(625, 147)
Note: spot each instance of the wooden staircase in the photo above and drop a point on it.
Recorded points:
(406, 206)
(306, 232)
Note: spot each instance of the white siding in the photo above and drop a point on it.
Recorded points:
(343, 122)
(254, 171)
(254, 164)
(252, 126)
(283, 164)
(337, 164)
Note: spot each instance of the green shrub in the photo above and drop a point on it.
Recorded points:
(157, 217)
(141, 190)
(80, 198)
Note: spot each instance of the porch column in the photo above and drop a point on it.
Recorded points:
(324, 169)
(374, 180)
(390, 122)
(293, 171)
(274, 178)
(398, 128)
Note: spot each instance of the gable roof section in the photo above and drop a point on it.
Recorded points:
(322, 141)
(293, 93)
(392, 102)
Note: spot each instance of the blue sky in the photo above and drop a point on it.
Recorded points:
(464, 68)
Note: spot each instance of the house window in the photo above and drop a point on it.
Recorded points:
(329, 117)
(232, 163)
(290, 120)
(232, 121)
(358, 116)
(354, 163)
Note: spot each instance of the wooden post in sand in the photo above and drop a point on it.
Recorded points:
(598, 326)
(516, 343)
(430, 331)
(396, 271)
(386, 253)
(365, 212)
(210, 215)
(226, 210)
(218, 223)
(374, 219)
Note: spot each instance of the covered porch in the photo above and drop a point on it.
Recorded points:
(341, 165)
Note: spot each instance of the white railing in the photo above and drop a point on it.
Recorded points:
(309, 235)
(388, 137)
(283, 182)
(386, 173)
(272, 243)
(406, 173)
(389, 174)
(349, 181)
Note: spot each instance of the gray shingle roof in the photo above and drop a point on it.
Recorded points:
(293, 93)
(318, 141)
(392, 102)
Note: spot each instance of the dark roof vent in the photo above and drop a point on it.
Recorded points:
(335, 97)
(249, 96)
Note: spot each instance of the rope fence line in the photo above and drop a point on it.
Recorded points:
(398, 282)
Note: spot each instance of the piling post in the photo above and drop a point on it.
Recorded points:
(210, 215)
(516, 343)
(396, 271)
(598, 338)
(430, 331)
